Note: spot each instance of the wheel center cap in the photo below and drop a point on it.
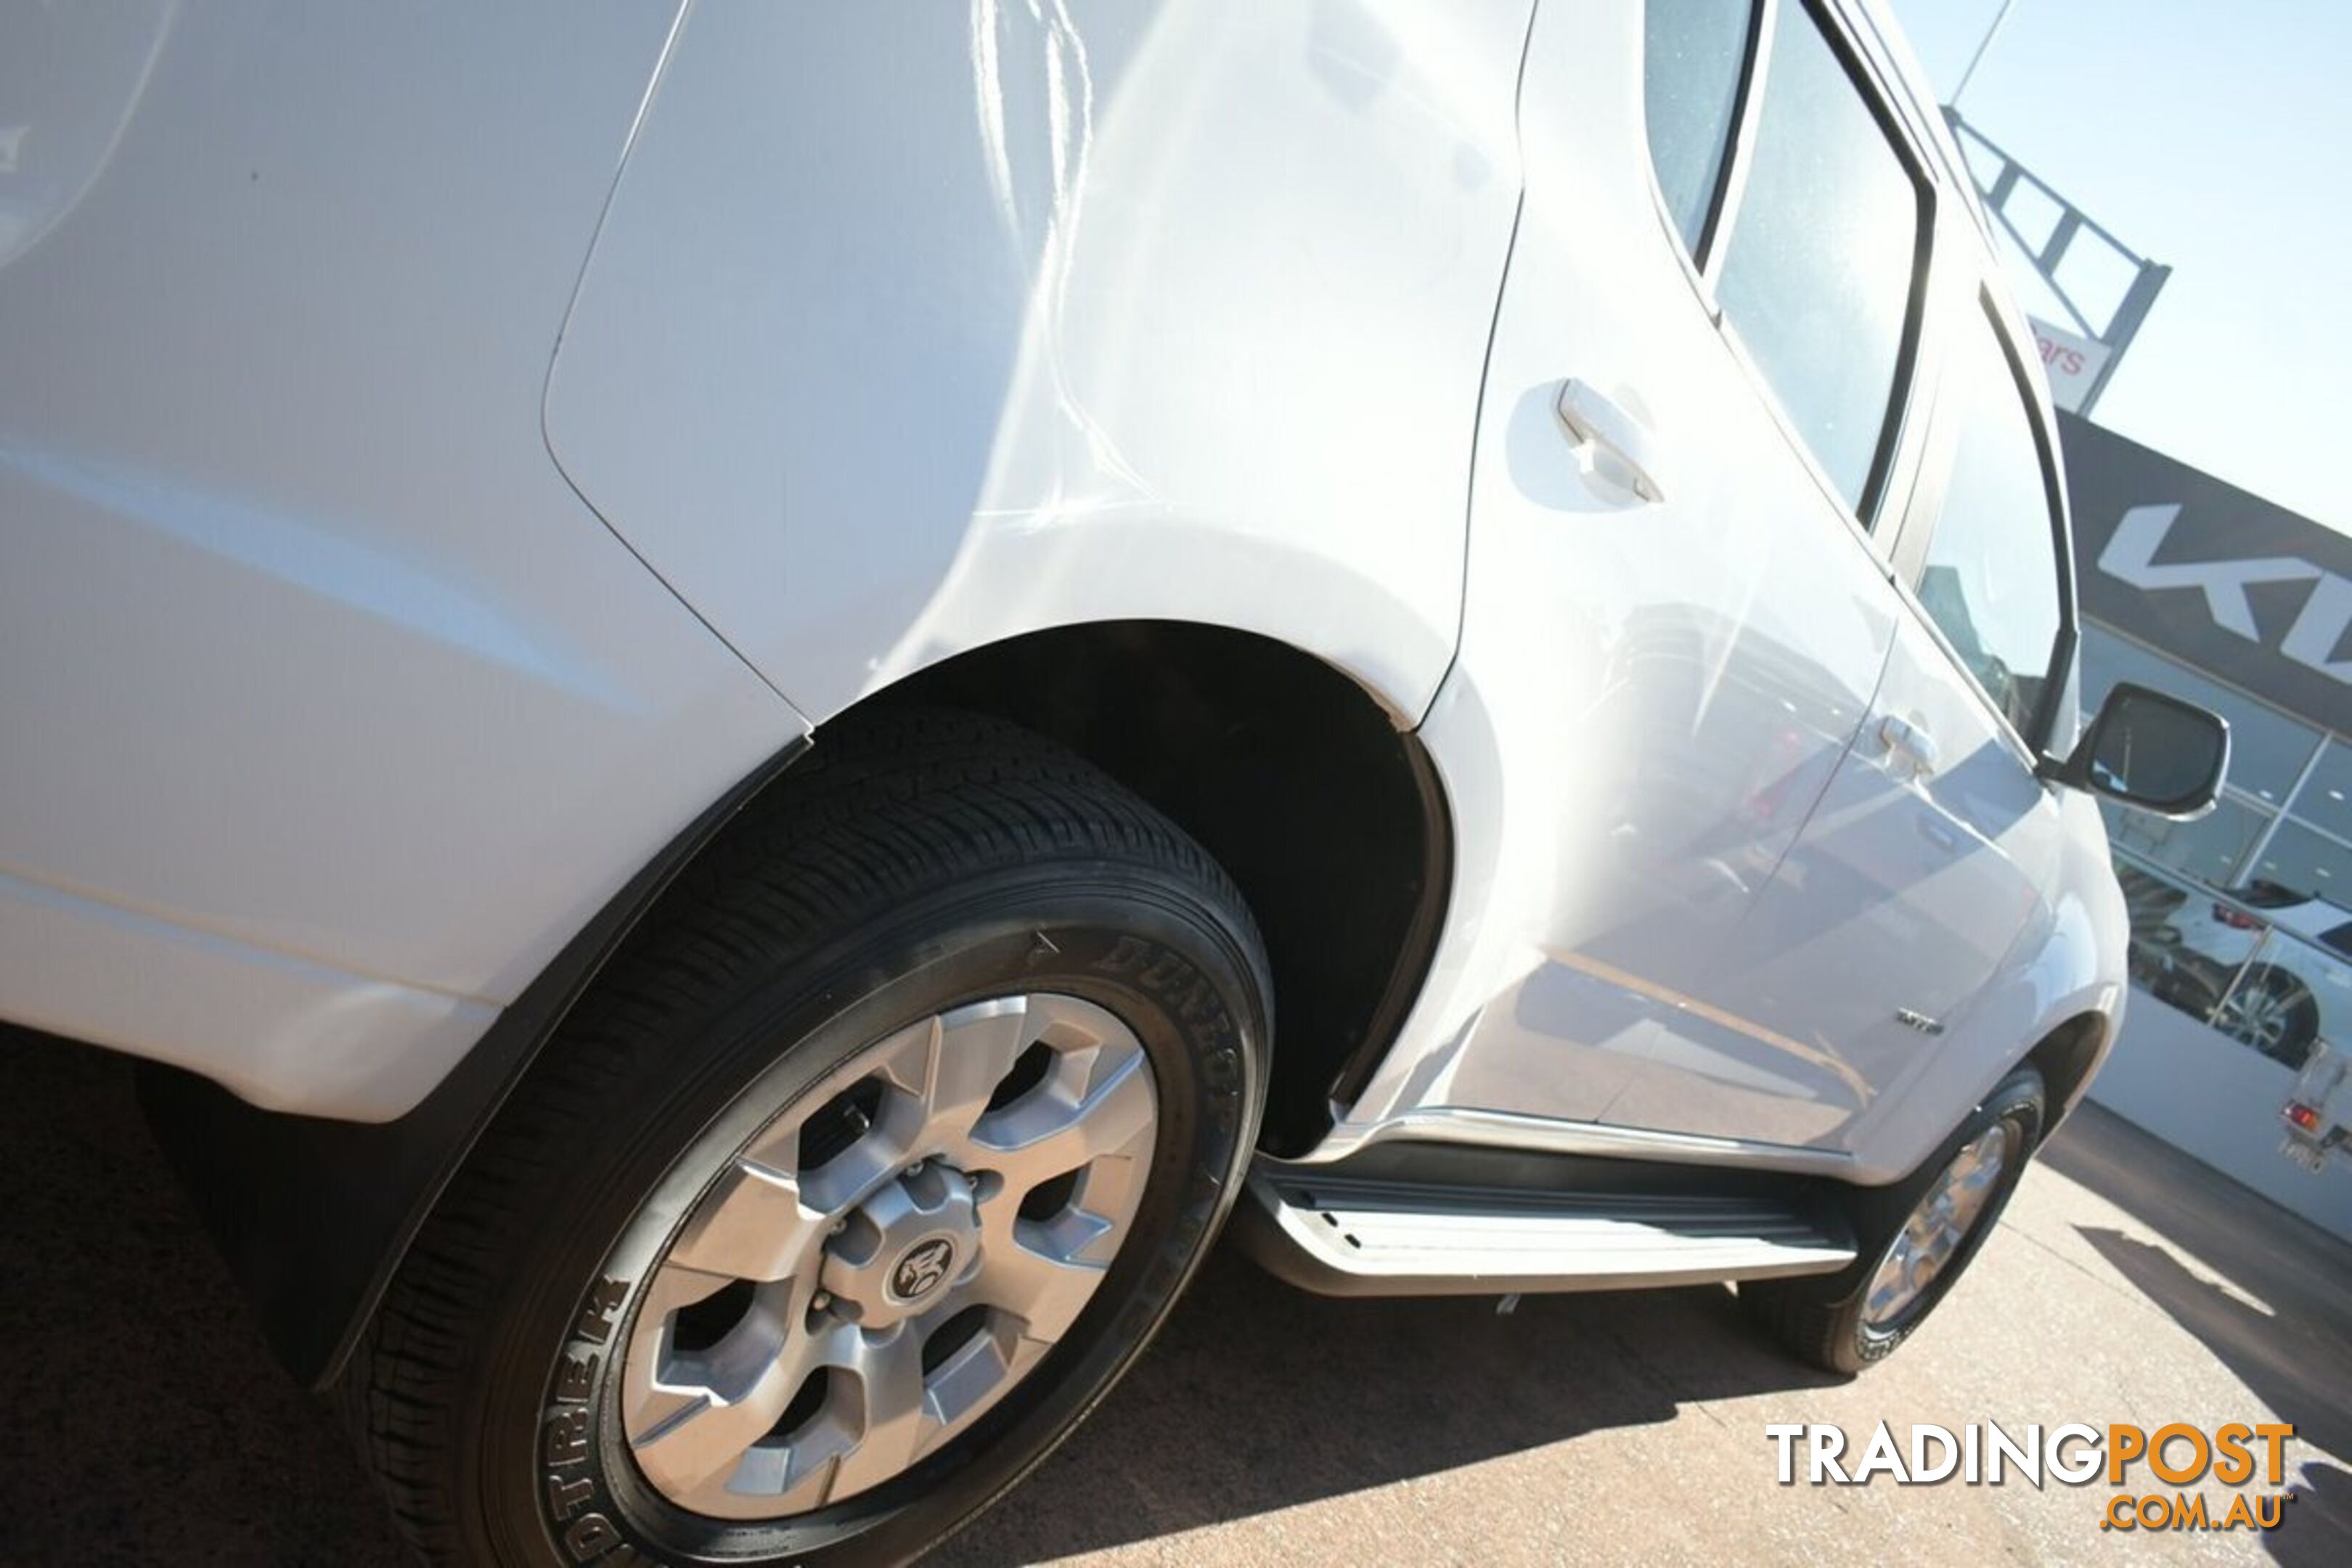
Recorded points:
(921, 1268)
(904, 1247)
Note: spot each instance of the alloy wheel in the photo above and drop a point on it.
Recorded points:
(2257, 1015)
(882, 1262)
(1938, 1227)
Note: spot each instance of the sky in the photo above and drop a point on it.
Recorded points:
(2216, 139)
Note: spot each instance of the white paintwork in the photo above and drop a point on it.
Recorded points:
(2229, 945)
(902, 339)
(453, 460)
(330, 712)
(1903, 893)
(285, 1032)
(1664, 688)
(1704, 884)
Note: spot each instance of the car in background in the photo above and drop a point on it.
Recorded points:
(2217, 958)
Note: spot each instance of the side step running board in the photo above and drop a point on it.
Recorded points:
(1342, 1236)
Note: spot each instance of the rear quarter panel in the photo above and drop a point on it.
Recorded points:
(904, 337)
(330, 712)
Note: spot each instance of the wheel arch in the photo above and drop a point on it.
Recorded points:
(2068, 1058)
(1329, 817)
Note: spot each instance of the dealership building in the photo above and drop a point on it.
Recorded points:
(2242, 939)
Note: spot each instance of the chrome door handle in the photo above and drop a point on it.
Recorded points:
(1615, 446)
(1912, 745)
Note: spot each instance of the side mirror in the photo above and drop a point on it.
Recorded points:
(2149, 751)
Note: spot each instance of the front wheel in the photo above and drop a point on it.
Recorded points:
(1917, 1238)
(862, 1176)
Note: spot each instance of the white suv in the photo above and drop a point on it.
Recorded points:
(754, 702)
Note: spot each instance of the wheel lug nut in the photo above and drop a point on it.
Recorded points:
(821, 1303)
(916, 1169)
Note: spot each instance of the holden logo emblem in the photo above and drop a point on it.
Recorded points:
(923, 1266)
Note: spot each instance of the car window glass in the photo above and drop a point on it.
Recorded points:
(2326, 800)
(1990, 578)
(1816, 278)
(2311, 863)
(2210, 848)
(1691, 60)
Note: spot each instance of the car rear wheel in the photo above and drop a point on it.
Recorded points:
(859, 1178)
(1917, 1239)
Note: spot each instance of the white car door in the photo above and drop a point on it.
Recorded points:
(1676, 613)
(1933, 853)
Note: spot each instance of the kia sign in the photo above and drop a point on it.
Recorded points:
(2071, 363)
(2224, 581)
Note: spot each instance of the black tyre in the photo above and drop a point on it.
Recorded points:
(865, 1170)
(1917, 1237)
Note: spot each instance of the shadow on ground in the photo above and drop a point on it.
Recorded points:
(2293, 1350)
(1260, 1397)
(147, 1423)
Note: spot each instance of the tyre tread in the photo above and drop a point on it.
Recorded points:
(1812, 1316)
(886, 808)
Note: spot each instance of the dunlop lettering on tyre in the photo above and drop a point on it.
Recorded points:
(852, 1186)
(584, 1532)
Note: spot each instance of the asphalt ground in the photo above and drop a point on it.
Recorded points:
(141, 1421)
